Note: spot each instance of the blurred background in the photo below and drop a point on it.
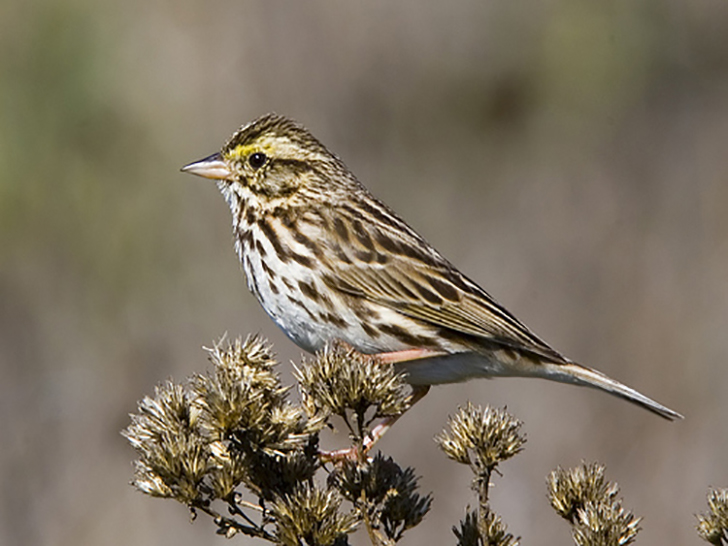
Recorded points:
(571, 156)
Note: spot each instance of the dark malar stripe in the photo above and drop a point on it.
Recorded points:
(285, 215)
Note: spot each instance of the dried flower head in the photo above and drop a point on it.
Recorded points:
(173, 460)
(585, 498)
(244, 394)
(233, 426)
(311, 516)
(605, 524)
(570, 490)
(482, 438)
(339, 379)
(713, 526)
(384, 492)
(483, 530)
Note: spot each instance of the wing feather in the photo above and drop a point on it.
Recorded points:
(414, 279)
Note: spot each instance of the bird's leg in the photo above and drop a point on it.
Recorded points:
(418, 392)
(352, 453)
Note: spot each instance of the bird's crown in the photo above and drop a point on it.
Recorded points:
(276, 137)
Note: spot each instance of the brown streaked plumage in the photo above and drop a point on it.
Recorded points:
(327, 260)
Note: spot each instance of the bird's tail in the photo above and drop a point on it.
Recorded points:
(572, 372)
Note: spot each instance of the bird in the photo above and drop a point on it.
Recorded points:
(329, 262)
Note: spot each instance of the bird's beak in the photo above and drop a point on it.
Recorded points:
(211, 167)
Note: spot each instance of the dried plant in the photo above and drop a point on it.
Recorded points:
(341, 381)
(384, 495)
(589, 503)
(482, 439)
(484, 529)
(311, 516)
(229, 443)
(231, 437)
(713, 526)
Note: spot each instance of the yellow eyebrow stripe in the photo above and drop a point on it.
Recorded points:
(243, 150)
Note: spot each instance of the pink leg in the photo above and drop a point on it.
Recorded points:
(351, 453)
(418, 392)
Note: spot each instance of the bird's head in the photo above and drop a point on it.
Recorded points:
(270, 160)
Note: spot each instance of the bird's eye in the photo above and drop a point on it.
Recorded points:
(257, 160)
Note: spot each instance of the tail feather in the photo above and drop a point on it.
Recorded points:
(581, 375)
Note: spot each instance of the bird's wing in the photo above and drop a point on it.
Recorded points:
(402, 271)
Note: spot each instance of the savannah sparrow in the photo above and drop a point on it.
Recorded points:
(328, 261)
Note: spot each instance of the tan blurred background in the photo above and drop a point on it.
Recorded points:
(569, 155)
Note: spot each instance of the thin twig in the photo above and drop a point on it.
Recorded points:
(249, 530)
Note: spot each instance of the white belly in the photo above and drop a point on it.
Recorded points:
(307, 322)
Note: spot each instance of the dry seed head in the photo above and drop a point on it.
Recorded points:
(570, 490)
(173, 459)
(490, 531)
(243, 399)
(341, 379)
(584, 497)
(605, 524)
(713, 526)
(482, 438)
(385, 491)
(311, 516)
(199, 441)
